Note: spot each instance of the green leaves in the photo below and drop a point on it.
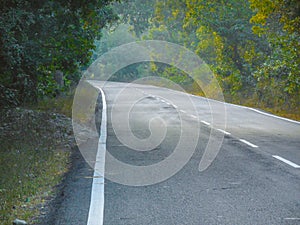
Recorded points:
(279, 22)
(38, 38)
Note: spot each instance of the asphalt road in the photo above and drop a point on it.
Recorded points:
(254, 178)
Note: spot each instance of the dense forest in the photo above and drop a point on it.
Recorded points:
(251, 46)
(45, 43)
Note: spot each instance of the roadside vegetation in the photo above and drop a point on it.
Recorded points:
(43, 47)
(252, 47)
(35, 150)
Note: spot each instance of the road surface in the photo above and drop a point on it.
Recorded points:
(254, 178)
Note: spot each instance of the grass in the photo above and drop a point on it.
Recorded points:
(27, 178)
(62, 104)
(33, 159)
(279, 111)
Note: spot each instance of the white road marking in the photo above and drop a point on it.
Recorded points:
(175, 106)
(206, 123)
(255, 110)
(271, 115)
(193, 116)
(223, 131)
(286, 161)
(292, 218)
(163, 101)
(249, 143)
(245, 107)
(182, 111)
(96, 210)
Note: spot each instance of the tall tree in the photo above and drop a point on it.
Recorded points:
(137, 13)
(41, 37)
(279, 76)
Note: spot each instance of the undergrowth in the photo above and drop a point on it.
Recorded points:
(35, 149)
(28, 176)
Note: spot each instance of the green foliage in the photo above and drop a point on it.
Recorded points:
(8, 97)
(136, 13)
(252, 46)
(29, 176)
(34, 159)
(113, 38)
(41, 37)
(226, 41)
(279, 22)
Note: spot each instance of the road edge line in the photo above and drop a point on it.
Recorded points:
(96, 210)
(245, 107)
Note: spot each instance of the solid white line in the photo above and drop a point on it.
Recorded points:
(97, 196)
(206, 123)
(286, 161)
(249, 143)
(245, 107)
(271, 115)
(223, 131)
(252, 109)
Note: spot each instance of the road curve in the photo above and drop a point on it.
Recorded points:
(254, 178)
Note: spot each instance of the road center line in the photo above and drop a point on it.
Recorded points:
(223, 131)
(206, 123)
(286, 161)
(96, 210)
(249, 143)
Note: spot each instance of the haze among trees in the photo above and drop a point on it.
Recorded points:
(251, 46)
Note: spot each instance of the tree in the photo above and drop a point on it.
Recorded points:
(136, 13)
(279, 76)
(41, 37)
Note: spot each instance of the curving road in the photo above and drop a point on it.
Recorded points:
(254, 178)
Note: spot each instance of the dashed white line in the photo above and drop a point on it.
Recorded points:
(249, 143)
(223, 131)
(206, 123)
(182, 111)
(286, 161)
(292, 218)
(175, 106)
(193, 116)
(96, 209)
